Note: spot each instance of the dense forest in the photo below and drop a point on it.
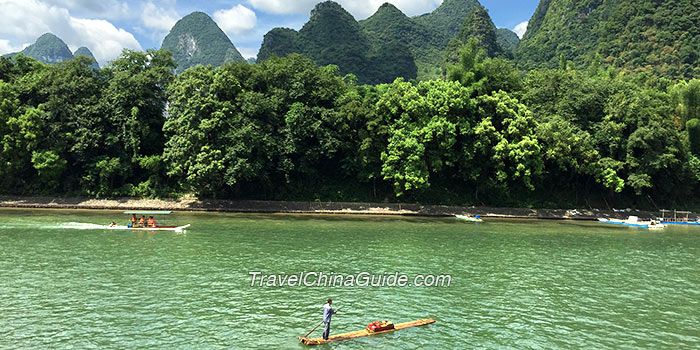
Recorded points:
(288, 129)
(560, 119)
(642, 36)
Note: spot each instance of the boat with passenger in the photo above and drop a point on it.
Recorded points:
(633, 221)
(147, 222)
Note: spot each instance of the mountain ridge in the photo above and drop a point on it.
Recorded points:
(478, 25)
(86, 52)
(333, 36)
(48, 48)
(423, 37)
(507, 39)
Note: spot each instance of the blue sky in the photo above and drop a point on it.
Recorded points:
(108, 26)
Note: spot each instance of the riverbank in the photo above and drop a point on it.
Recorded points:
(334, 208)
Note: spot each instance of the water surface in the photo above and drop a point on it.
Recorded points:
(515, 284)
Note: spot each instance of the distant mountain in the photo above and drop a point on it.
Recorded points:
(48, 48)
(507, 39)
(380, 48)
(86, 52)
(389, 24)
(477, 25)
(661, 37)
(280, 42)
(332, 36)
(196, 39)
(449, 17)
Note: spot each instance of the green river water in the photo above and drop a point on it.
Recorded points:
(515, 284)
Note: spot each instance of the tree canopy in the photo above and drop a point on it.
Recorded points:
(286, 128)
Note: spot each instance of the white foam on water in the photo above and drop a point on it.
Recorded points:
(81, 226)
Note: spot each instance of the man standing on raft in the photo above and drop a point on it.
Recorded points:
(327, 313)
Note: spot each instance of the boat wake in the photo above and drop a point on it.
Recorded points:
(81, 226)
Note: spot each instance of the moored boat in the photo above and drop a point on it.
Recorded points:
(686, 223)
(469, 218)
(633, 221)
(682, 219)
(365, 332)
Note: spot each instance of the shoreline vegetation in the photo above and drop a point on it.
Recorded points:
(314, 207)
(285, 129)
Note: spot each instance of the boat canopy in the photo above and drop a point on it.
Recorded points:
(676, 211)
(146, 212)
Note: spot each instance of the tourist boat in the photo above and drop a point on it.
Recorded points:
(158, 227)
(365, 332)
(676, 220)
(469, 218)
(633, 221)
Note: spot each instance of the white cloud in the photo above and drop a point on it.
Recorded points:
(236, 20)
(366, 8)
(248, 52)
(104, 40)
(160, 18)
(361, 9)
(26, 20)
(283, 6)
(6, 47)
(107, 9)
(520, 29)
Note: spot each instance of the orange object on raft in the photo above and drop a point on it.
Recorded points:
(365, 332)
(378, 326)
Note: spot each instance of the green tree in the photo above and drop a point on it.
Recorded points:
(64, 102)
(513, 153)
(136, 98)
(241, 127)
(693, 128)
(426, 122)
(483, 75)
(685, 99)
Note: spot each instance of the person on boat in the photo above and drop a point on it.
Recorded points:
(134, 220)
(142, 221)
(152, 222)
(113, 224)
(327, 313)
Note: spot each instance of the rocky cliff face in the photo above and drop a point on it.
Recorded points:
(196, 39)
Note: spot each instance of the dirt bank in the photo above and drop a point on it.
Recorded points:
(312, 208)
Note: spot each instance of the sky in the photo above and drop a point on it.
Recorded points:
(108, 26)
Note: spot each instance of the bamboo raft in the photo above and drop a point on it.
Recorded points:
(363, 333)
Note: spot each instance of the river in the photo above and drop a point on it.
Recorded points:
(67, 283)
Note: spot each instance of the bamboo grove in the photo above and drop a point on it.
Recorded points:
(286, 129)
